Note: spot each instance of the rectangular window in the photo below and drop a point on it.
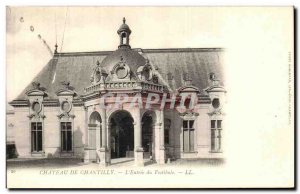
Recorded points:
(167, 134)
(216, 128)
(36, 137)
(188, 136)
(66, 136)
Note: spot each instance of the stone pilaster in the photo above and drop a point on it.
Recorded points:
(162, 149)
(103, 151)
(98, 142)
(139, 151)
(108, 143)
(156, 141)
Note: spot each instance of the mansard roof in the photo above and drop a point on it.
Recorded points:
(77, 67)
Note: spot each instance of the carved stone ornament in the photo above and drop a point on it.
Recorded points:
(37, 116)
(121, 70)
(36, 107)
(216, 112)
(189, 114)
(155, 79)
(65, 115)
(36, 90)
(145, 72)
(35, 85)
(99, 74)
(66, 106)
(66, 89)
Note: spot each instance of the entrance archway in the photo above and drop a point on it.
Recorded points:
(122, 135)
(148, 121)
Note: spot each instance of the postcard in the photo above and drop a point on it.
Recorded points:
(150, 97)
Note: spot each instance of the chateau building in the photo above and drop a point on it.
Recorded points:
(161, 104)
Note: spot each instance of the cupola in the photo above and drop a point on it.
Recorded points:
(124, 33)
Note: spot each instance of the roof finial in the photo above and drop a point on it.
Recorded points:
(55, 51)
(124, 20)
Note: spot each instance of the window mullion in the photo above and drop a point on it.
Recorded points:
(36, 137)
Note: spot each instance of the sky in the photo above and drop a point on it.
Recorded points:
(95, 29)
(77, 29)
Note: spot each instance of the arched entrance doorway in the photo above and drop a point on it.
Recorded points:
(122, 135)
(148, 121)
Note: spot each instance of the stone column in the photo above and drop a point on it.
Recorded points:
(162, 149)
(86, 156)
(139, 151)
(97, 130)
(171, 137)
(103, 143)
(156, 141)
(108, 143)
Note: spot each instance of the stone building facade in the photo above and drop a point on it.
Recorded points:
(70, 108)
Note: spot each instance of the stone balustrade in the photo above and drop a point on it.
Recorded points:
(125, 85)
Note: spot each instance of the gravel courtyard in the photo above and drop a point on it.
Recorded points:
(120, 162)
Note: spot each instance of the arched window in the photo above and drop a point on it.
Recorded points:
(124, 38)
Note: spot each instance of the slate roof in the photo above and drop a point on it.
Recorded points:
(77, 68)
(131, 57)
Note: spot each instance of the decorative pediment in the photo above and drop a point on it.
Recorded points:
(63, 92)
(66, 90)
(215, 85)
(215, 89)
(188, 89)
(35, 93)
(36, 90)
